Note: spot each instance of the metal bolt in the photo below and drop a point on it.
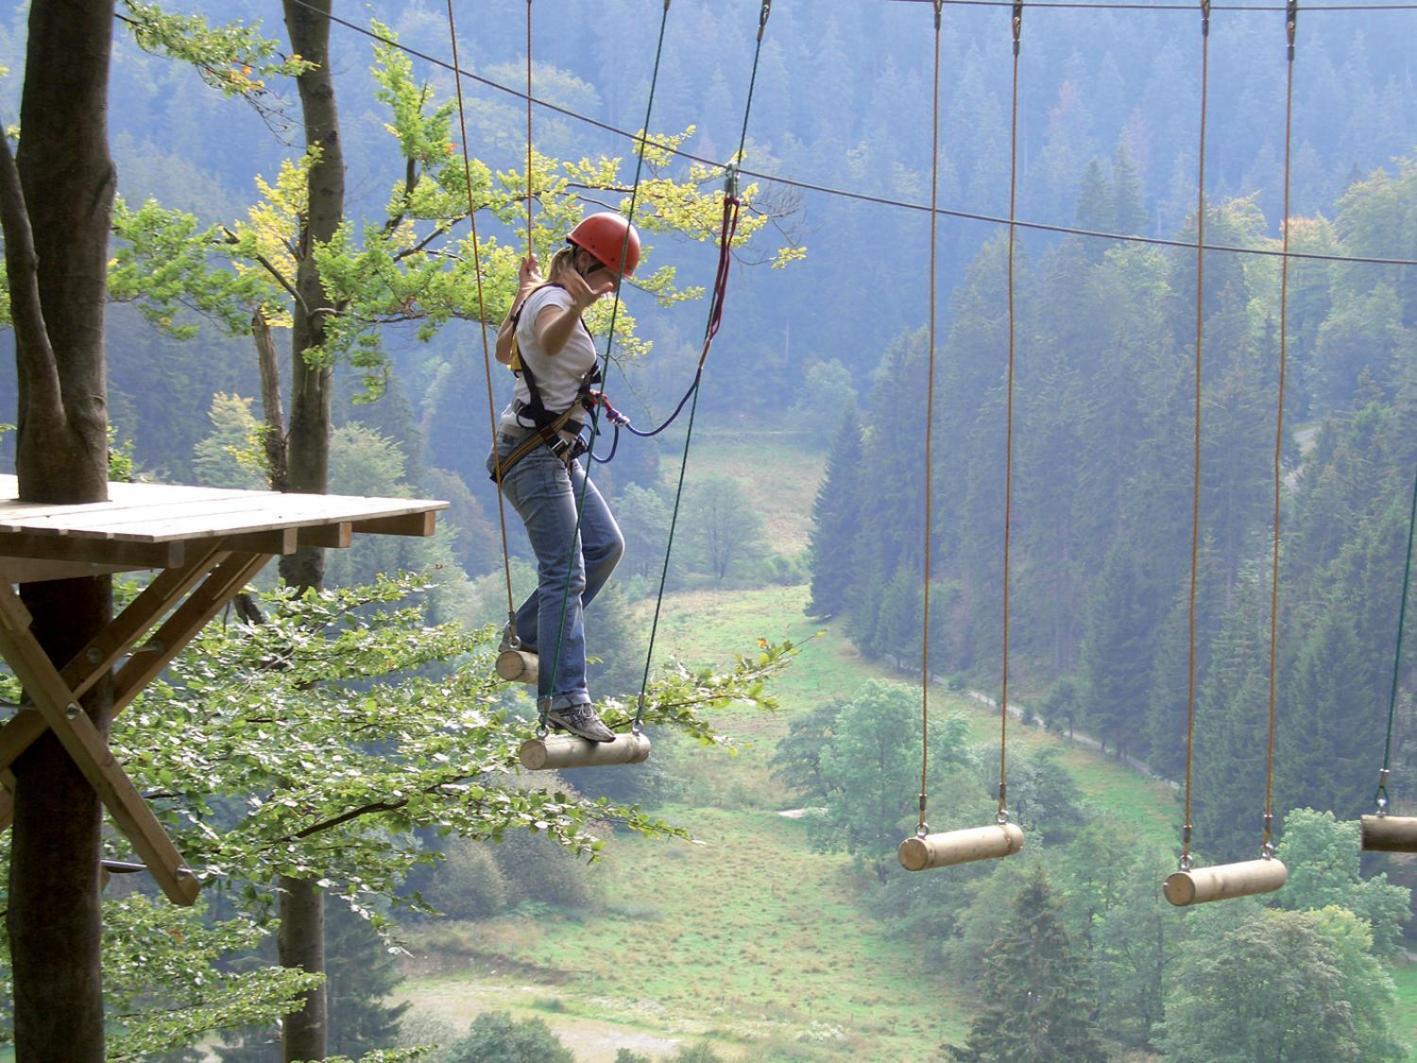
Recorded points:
(71, 711)
(94, 655)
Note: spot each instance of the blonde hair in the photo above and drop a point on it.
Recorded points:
(561, 260)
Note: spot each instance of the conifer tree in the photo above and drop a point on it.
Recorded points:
(1231, 723)
(1128, 206)
(1038, 997)
(362, 974)
(1117, 649)
(1165, 728)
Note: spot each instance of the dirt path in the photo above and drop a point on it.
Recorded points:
(595, 1040)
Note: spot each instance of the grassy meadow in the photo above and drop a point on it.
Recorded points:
(744, 937)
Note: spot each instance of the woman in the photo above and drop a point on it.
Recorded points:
(536, 458)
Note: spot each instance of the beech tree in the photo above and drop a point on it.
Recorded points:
(56, 193)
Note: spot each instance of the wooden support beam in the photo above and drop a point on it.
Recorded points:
(15, 737)
(220, 585)
(329, 536)
(182, 626)
(124, 631)
(45, 547)
(276, 541)
(86, 747)
(100, 654)
(416, 524)
(30, 570)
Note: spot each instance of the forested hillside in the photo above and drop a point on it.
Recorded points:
(356, 740)
(1102, 492)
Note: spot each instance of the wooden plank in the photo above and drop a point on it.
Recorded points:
(125, 629)
(329, 536)
(166, 521)
(95, 551)
(29, 570)
(276, 541)
(120, 496)
(86, 747)
(416, 524)
(258, 512)
(182, 626)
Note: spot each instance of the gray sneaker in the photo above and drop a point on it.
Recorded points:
(581, 721)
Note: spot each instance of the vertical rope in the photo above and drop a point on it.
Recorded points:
(1002, 814)
(482, 318)
(1186, 827)
(729, 226)
(530, 247)
(1381, 797)
(1267, 843)
(921, 828)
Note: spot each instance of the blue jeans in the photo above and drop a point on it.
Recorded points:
(570, 569)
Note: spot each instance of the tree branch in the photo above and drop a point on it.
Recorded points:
(410, 182)
(232, 238)
(38, 369)
(439, 230)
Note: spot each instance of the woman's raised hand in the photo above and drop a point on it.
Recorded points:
(528, 276)
(583, 292)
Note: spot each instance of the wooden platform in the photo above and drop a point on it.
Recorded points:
(160, 525)
(209, 543)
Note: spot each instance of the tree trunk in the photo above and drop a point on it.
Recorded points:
(305, 1033)
(58, 287)
(272, 409)
(301, 943)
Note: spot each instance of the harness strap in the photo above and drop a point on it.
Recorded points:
(548, 436)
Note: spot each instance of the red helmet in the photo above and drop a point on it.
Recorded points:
(603, 235)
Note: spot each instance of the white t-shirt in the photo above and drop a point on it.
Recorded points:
(558, 377)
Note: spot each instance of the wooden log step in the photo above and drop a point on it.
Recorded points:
(1224, 882)
(517, 666)
(960, 846)
(1389, 834)
(568, 751)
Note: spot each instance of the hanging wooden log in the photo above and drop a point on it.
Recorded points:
(1389, 834)
(517, 666)
(960, 846)
(1224, 882)
(568, 751)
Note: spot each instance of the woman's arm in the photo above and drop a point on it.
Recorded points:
(554, 325)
